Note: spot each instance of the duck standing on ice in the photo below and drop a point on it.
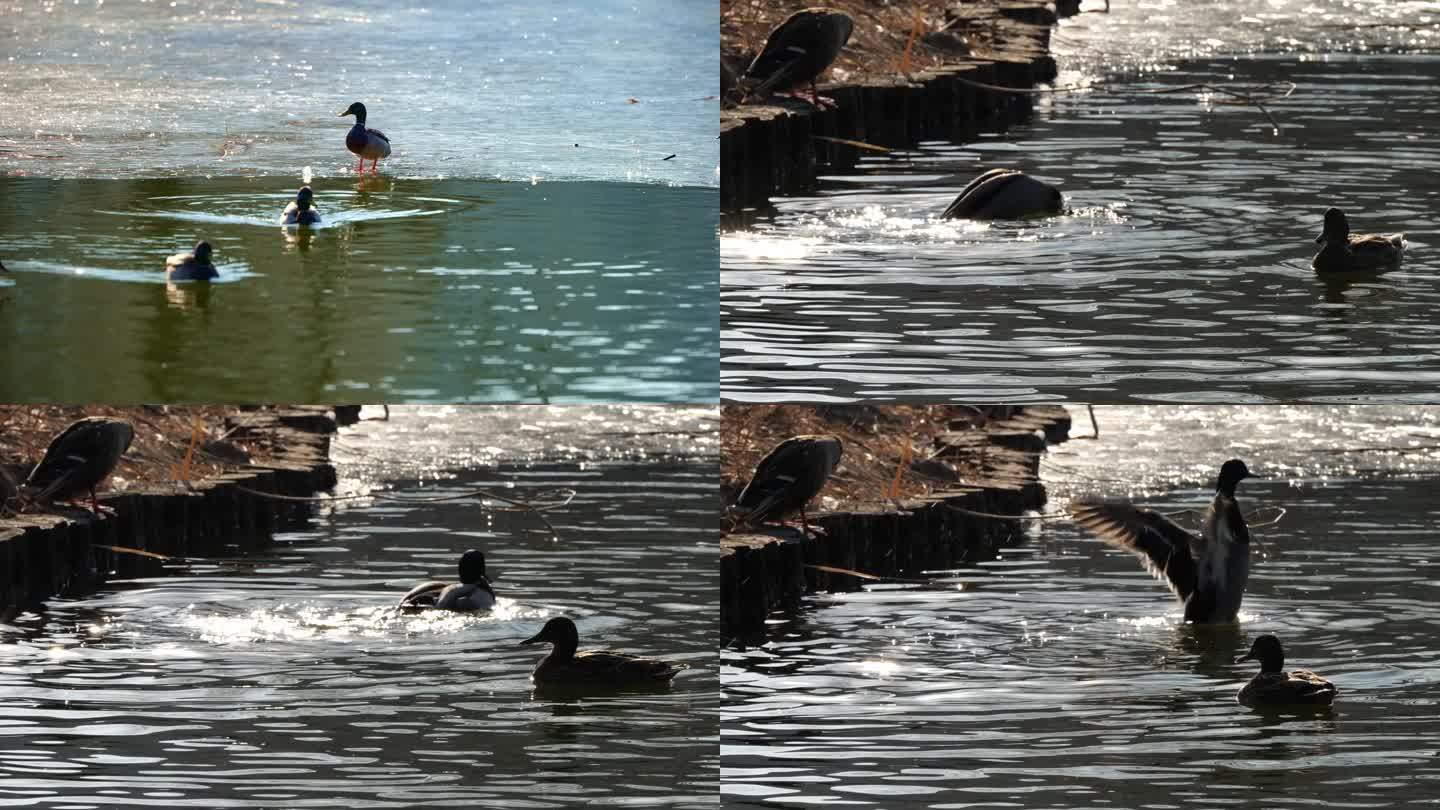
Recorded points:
(364, 141)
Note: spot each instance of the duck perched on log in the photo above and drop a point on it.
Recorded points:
(1343, 251)
(797, 52)
(472, 592)
(78, 460)
(301, 210)
(564, 666)
(193, 266)
(363, 141)
(1206, 572)
(787, 478)
(1273, 686)
(1005, 194)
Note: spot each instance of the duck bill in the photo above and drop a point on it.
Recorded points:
(1320, 239)
(1244, 658)
(535, 639)
(343, 114)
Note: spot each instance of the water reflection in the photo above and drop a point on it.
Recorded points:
(410, 290)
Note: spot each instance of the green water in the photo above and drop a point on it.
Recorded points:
(411, 290)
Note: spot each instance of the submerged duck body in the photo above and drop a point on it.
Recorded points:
(301, 210)
(79, 459)
(797, 52)
(1005, 194)
(193, 266)
(1207, 572)
(473, 592)
(1343, 251)
(788, 477)
(1273, 686)
(371, 144)
(565, 666)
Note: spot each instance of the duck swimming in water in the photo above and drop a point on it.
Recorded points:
(302, 210)
(797, 52)
(1276, 687)
(472, 592)
(79, 459)
(1343, 251)
(787, 478)
(363, 141)
(565, 666)
(1207, 572)
(1005, 194)
(193, 266)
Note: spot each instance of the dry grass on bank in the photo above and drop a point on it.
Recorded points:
(876, 439)
(878, 42)
(162, 438)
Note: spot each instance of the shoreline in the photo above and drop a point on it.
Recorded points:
(764, 570)
(781, 147)
(70, 552)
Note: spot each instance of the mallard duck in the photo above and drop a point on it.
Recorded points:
(79, 459)
(1349, 252)
(193, 266)
(472, 592)
(1005, 194)
(1276, 687)
(1206, 572)
(302, 210)
(787, 478)
(797, 52)
(565, 666)
(363, 141)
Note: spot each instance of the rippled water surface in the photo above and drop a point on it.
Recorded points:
(1180, 272)
(284, 679)
(599, 90)
(445, 290)
(1059, 674)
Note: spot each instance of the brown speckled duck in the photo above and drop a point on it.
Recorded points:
(797, 52)
(1276, 687)
(1344, 252)
(787, 478)
(564, 666)
(79, 459)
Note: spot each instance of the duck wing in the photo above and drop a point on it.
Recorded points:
(180, 260)
(377, 133)
(460, 596)
(977, 193)
(798, 50)
(425, 594)
(1162, 546)
(619, 667)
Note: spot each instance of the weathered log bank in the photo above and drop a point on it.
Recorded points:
(780, 148)
(65, 553)
(760, 573)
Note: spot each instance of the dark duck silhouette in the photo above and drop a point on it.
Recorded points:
(1005, 194)
(1343, 252)
(363, 141)
(1207, 572)
(301, 210)
(787, 478)
(797, 52)
(79, 460)
(1273, 686)
(194, 266)
(564, 666)
(472, 592)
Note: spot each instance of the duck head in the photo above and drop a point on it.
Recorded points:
(559, 631)
(202, 252)
(1232, 472)
(472, 567)
(304, 198)
(1268, 652)
(357, 109)
(1337, 227)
